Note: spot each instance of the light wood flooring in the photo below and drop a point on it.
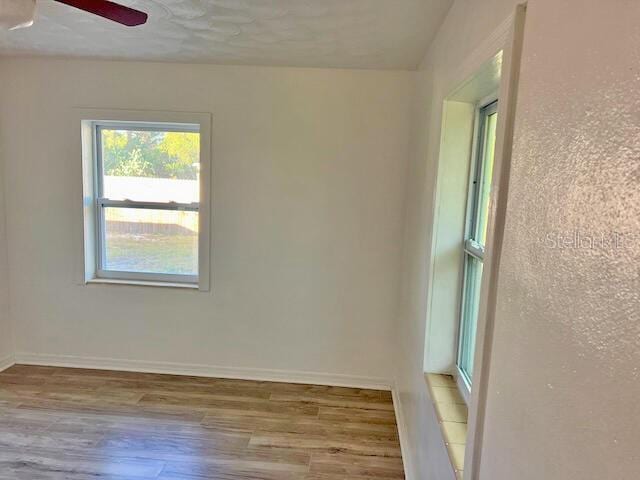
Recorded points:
(76, 424)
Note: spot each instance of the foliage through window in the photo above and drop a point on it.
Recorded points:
(151, 153)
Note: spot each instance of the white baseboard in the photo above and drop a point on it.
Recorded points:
(6, 362)
(197, 370)
(402, 433)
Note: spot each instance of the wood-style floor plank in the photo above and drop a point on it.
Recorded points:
(83, 424)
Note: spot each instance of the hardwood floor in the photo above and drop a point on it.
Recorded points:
(76, 424)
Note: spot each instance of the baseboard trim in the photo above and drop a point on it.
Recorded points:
(402, 434)
(199, 370)
(6, 362)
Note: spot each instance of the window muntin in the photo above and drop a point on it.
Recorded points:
(474, 244)
(147, 201)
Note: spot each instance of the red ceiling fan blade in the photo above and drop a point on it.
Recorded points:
(112, 11)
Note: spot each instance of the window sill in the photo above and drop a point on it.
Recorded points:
(142, 283)
(452, 417)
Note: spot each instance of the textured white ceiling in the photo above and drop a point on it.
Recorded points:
(389, 34)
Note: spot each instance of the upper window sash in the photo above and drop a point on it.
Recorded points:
(100, 178)
(479, 173)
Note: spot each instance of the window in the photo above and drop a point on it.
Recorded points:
(475, 238)
(143, 189)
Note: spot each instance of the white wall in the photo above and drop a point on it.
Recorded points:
(564, 384)
(308, 189)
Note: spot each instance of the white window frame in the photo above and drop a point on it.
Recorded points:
(91, 266)
(470, 246)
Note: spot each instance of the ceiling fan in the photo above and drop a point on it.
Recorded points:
(19, 13)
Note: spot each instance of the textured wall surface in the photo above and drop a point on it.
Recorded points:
(308, 189)
(326, 33)
(565, 370)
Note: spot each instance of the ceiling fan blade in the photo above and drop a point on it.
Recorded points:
(110, 10)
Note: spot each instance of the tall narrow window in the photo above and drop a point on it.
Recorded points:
(477, 219)
(147, 201)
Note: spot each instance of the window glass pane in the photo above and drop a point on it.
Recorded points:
(470, 306)
(484, 188)
(150, 241)
(150, 166)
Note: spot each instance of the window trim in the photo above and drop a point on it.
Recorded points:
(90, 121)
